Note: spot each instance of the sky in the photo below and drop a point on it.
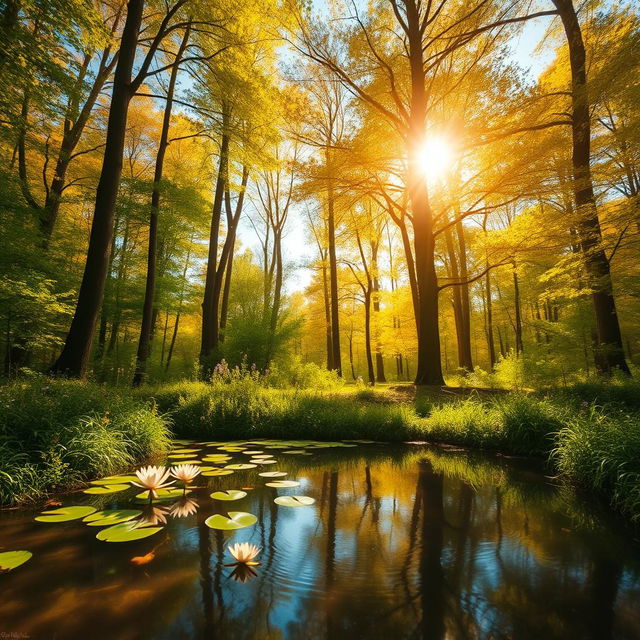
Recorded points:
(298, 251)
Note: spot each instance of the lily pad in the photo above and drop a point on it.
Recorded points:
(107, 488)
(110, 517)
(293, 452)
(217, 472)
(231, 494)
(251, 453)
(11, 559)
(283, 484)
(184, 451)
(263, 461)
(179, 456)
(163, 494)
(294, 501)
(65, 514)
(240, 467)
(236, 520)
(126, 532)
(115, 480)
(273, 474)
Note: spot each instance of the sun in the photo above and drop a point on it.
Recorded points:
(434, 158)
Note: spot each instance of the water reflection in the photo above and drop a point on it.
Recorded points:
(403, 542)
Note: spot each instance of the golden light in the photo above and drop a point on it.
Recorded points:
(435, 158)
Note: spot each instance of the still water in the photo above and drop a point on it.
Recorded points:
(403, 541)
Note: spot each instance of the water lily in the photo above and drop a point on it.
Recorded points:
(185, 473)
(243, 573)
(153, 479)
(183, 508)
(244, 553)
(152, 516)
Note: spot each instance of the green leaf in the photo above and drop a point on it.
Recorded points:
(236, 520)
(126, 532)
(273, 474)
(231, 494)
(65, 514)
(240, 467)
(217, 472)
(294, 501)
(262, 461)
(283, 484)
(11, 559)
(111, 516)
(107, 488)
(115, 480)
(293, 452)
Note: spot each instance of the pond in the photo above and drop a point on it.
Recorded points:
(400, 541)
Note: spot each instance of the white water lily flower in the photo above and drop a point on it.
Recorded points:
(153, 479)
(152, 516)
(244, 553)
(183, 508)
(185, 472)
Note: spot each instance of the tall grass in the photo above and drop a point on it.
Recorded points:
(54, 434)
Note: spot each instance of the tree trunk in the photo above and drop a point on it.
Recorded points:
(596, 262)
(144, 343)
(75, 355)
(518, 311)
(327, 315)
(380, 377)
(333, 279)
(367, 335)
(429, 366)
(210, 326)
(489, 330)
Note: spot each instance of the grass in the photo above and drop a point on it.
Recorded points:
(56, 433)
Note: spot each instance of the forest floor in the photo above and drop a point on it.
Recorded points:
(57, 433)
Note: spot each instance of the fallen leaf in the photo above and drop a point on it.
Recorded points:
(146, 559)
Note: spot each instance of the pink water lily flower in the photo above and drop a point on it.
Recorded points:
(185, 472)
(244, 553)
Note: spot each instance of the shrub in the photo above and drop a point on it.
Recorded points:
(55, 433)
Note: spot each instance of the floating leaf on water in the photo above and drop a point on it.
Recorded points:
(185, 442)
(115, 480)
(294, 452)
(65, 514)
(263, 461)
(283, 484)
(184, 451)
(230, 494)
(361, 441)
(236, 520)
(11, 559)
(217, 472)
(251, 453)
(273, 474)
(163, 494)
(240, 467)
(107, 488)
(126, 532)
(111, 516)
(294, 501)
(232, 449)
(179, 456)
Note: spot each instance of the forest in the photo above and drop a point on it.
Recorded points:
(380, 252)
(382, 193)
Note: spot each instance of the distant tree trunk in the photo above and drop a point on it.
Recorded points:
(227, 251)
(327, 315)
(596, 261)
(489, 329)
(210, 305)
(518, 311)
(180, 301)
(144, 343)
(380, 377)
(333, 278)
(75, 355)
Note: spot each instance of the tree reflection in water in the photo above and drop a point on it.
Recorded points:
(403, 542)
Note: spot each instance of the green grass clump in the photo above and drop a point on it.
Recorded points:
(599, 449)
(517, 423)
(54, 434)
